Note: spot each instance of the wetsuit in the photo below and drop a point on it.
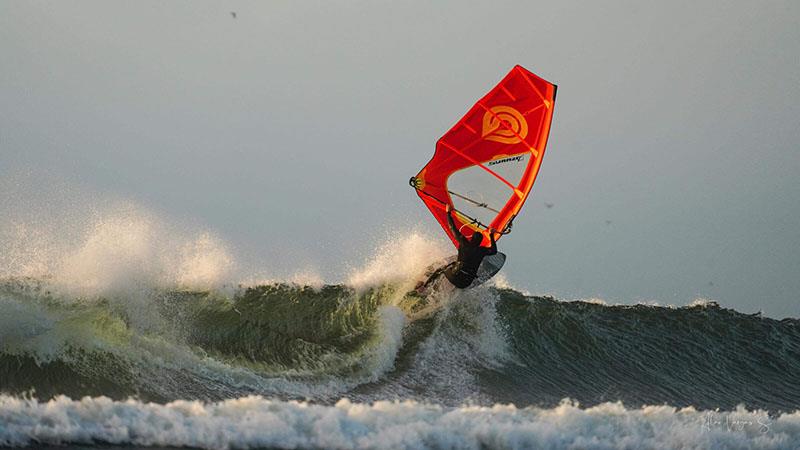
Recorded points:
(470, 254)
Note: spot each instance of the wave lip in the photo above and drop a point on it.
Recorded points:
(254, 422)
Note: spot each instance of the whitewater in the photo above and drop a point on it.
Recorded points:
(120, 328)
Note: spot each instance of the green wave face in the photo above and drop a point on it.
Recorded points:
(483, 345)
(283, 339)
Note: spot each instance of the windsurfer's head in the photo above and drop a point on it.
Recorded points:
(476, 239)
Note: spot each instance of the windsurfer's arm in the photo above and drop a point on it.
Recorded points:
(452, 225)
(493, 248)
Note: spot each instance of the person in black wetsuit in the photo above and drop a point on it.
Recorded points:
(470, 254)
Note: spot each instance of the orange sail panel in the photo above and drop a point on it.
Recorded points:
(485, 166)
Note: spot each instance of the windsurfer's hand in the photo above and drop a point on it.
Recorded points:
(447, 208)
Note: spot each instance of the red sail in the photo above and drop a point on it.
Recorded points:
(485, 166)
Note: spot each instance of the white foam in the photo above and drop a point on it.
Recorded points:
(500, 281)
(701, 302)
(110, 249)
(253, 422)
(204, 262)
(595, 301)
(308, 277)
(401, 259)
(392, 320)
(128, 248)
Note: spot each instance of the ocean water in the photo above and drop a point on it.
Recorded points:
(135, 335)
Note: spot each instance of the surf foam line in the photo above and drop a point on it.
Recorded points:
(253, 422)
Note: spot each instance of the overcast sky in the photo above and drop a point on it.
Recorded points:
(291, 130)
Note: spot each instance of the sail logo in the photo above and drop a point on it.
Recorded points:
(505, 160)
(504, 124)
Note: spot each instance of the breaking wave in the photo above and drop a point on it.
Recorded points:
(484, 346)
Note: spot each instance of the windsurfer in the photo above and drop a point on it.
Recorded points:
(470, 255)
